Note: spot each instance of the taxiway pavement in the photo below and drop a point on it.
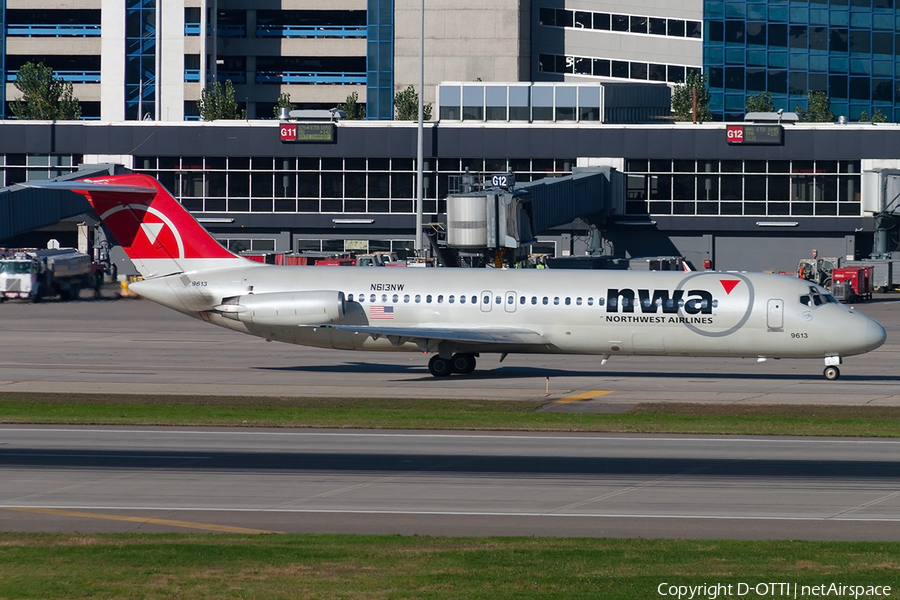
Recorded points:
(106, 479)
(134, 346)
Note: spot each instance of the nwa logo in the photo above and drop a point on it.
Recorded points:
(708, 304)
(693, 302)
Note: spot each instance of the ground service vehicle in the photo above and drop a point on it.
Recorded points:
(38, 274)
(459, 314)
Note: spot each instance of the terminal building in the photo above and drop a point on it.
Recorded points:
(542, 89)
(687, 190)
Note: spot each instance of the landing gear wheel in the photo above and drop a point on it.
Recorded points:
(463, 363)
(831, 373)
(439, 367)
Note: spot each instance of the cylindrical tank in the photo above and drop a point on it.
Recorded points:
(467, 221)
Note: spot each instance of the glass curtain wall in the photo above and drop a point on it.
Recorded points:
(844, 48)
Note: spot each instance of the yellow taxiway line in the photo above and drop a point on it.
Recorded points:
(170, 522)
(584, 396)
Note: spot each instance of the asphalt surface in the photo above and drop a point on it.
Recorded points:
(171, 479)
(177, 479)
(134, 346)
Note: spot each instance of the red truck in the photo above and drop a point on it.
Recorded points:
(852, 284)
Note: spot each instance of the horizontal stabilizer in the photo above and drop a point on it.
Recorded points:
(89, 186)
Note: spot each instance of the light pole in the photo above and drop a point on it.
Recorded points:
(420, 139)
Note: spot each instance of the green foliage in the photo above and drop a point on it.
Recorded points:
(406, 103)
(218, 103)
(284, 101)
(385, 413)
(864, 117)
(44, 97)
(355, 111)
(819, 110)
(879, 117)
(683, 100)
(760, 103)
(231, 565)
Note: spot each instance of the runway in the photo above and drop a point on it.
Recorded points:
(134, 346)
(176, 479)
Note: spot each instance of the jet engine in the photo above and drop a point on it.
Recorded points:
(285, 308)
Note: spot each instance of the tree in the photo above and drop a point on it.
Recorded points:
(284, 101)
(216, 103)
(407, 105)
(864, 117)
(879, 117)
(683, 98)
(760, 103)
(44, 96)
(355, 111)
(819, 110)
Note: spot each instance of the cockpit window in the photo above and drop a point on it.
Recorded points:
(817, 297)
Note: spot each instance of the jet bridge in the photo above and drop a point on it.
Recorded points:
(505, 215)
(25, 209)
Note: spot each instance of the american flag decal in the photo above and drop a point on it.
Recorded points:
(381, 312)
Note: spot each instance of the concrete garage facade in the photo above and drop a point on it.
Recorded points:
(689, 191)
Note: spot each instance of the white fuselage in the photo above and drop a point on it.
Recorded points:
(578, 312)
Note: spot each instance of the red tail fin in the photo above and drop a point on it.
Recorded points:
(147, 221)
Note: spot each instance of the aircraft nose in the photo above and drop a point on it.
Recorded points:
(875, 334)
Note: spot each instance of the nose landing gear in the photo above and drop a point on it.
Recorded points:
(831, 371)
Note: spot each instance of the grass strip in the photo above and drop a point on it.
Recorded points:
(100, 409)
(391, 567)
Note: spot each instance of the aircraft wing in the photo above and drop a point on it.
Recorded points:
(478, 336)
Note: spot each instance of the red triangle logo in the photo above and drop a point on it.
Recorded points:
(729, 284)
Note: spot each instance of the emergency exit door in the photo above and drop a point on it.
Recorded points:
(775, 315)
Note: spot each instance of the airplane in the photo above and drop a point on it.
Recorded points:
(458, 314)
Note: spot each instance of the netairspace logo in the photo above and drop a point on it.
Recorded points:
(772, 590)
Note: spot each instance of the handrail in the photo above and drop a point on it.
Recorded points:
(17, 30)
(314, 77)
(71, 76)
(311, 31)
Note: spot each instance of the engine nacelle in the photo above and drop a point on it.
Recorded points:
(285, 308)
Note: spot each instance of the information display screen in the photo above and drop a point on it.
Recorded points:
(755, 134)
(308, 132)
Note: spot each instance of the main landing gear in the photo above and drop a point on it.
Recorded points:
(459, 363)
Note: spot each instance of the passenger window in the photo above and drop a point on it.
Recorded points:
(511, 299)
(406, 298)
(428, 299)
(474, 300)
(462, 299)
(556, 301)
(600, 301)
(578, 300)
(384, 297)
(522, 300)
(568, 301)
(418, 298)
(534, 299)
(497, 300)
(440, 298)
(349, 297)
(546, 300)
(486, 300)
(451, 299)
(371, 297)
(396, 298)
(590, 301)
